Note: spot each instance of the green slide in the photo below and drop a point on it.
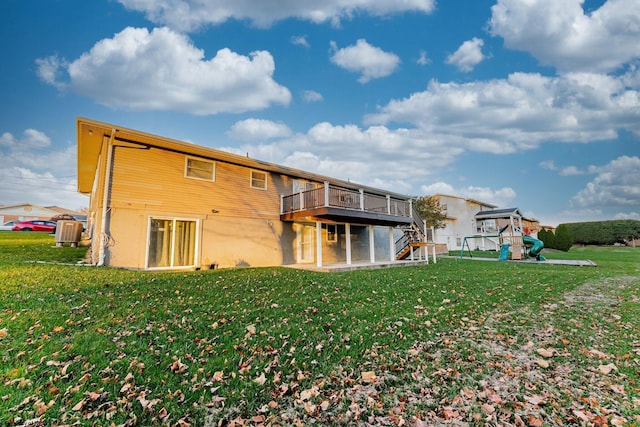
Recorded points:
(535, 247)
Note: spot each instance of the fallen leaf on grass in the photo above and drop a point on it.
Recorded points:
(449, 413)
(542, 363)
(595, 353)
(582, 416)
(488, 409)
(618, 421)
(178, 367)
(369, 376)
(536, 400)
(607, 369)
(261, 379)
(617, 388)
(546, 352)
(533, 421)
(218, 376)
(78, 406)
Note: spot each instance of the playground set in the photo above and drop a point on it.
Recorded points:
(509, 235)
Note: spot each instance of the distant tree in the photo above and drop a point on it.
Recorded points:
(564, 240)
(548, 238)
(431, 211)
(542, 235)
(604, 232)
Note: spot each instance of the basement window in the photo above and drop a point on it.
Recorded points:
(259, 180)
(200, 169)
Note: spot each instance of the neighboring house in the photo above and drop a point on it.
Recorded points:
(460, 221)
(24, 212)
(158, 203)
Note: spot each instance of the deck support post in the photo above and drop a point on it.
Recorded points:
(347, 232)
(319, 243)
(361, 199)
(392, 246)
(372, 247)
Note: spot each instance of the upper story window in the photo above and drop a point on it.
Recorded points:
(299, 185)
(259, 180)
(200, 169)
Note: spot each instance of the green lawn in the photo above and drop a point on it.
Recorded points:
(456, 342)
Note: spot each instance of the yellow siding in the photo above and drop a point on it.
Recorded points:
(238, 225)
(155, 178)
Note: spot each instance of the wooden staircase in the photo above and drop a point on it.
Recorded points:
(413, 236)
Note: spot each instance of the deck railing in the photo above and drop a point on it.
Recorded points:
(338, 197)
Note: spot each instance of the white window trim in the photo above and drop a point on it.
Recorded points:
(186, 168)
(266, 180)
(196, 251)
(334, 233)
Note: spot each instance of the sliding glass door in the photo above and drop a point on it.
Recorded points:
(172, 243)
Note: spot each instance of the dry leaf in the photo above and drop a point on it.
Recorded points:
(607, 369)
(545, 352)
(261, 379)
(542, 363)
(78, 406)
(369, 376)
(536, 400)
(488, 409)
(534, 422)
(218, 376)
(581, 415)
(618, 421)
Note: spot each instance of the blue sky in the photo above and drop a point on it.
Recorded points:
(531, 104)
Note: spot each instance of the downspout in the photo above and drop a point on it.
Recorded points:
(105, 200)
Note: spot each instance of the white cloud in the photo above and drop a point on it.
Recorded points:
(312, 96)
(32, 140)
(571, 171)
(468, 55)
(189, 15)
(163, 70)
(423, 59)
(300, 41)
(502, 197)
(49, 70)
(548, 164)
(258, 130)
(520, 112)
(32, 171)
(559, 33)
(396, 159)
(370, 61)
(617, 184)
(627, 215)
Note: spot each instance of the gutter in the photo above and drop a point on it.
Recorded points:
(105, 201)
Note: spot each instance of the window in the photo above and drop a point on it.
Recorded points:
(259, 180)
(172, 243)
(299, 185)
(332, 234)
(200, 169)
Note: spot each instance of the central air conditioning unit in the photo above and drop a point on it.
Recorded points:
(68, 232)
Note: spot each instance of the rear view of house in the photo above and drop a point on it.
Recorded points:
(158, 203)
